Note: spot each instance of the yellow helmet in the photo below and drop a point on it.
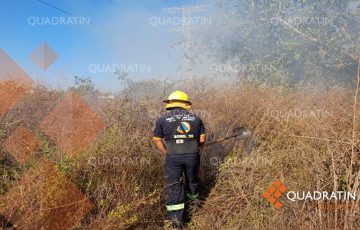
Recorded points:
(178, 99)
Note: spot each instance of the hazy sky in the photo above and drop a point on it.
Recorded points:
(94, 37)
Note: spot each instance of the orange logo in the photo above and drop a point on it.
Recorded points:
(274, 192)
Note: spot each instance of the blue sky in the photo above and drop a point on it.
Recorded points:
(119, 33)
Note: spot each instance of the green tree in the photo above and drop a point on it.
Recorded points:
(84, 85)
(302, 41)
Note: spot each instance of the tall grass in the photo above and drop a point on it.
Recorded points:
(304, 138)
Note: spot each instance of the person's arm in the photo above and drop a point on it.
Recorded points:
(158, 136)
(160, 145)
(202, 139)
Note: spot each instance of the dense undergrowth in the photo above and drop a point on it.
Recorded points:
(303, 138)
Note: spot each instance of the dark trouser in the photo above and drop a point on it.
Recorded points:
(175, 166)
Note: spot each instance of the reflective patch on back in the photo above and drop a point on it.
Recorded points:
(180, 141)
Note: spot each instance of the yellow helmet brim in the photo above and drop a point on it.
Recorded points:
(178, 104)
(181, 101)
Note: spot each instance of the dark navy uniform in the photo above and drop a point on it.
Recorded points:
(180, 130)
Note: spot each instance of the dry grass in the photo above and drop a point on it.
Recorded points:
(304, 139)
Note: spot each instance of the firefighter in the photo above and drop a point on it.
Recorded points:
(178, 135)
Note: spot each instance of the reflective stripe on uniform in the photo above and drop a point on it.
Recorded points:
(157, 138)
(175, 207)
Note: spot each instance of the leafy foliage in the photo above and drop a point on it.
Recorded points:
(300, 41)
